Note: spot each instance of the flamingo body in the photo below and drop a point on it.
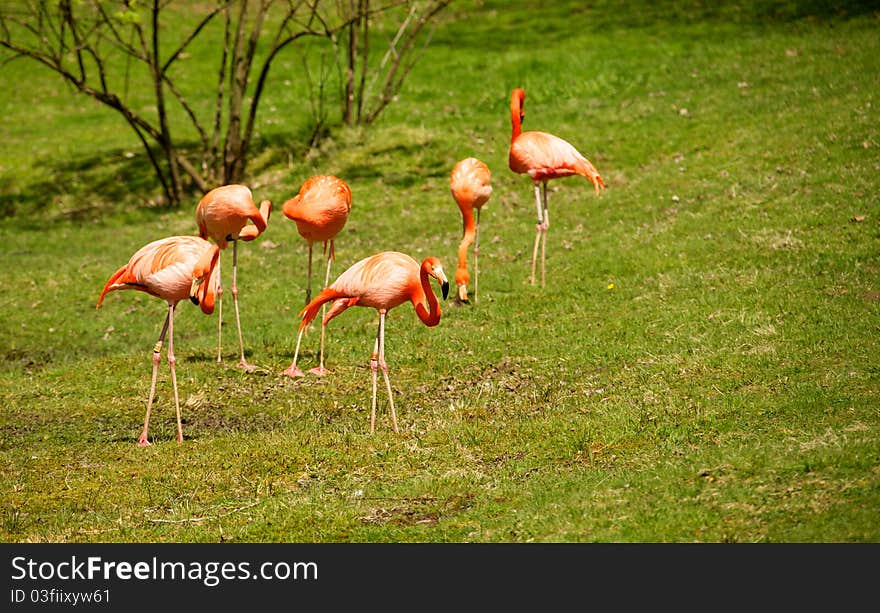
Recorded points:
(320, 209)
(223, 215)
(470, 183)
(381, 281)
(165, 268)
(173, 269)
(543, 157)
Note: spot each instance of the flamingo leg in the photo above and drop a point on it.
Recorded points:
(538, 228)
(293, 370)
(477, 256)
(320, 370)
(219, 315)
(172, 362)
(384, 366)
(309, 282)
(374, 367)
(243, 363)
(545, 228)
(143, 441)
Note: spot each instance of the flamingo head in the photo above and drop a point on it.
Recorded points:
(462, 278)
(205, 280)
(434, 268)
(517, 102)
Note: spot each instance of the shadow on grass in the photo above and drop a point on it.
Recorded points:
(83, 189)
(560, 19)
(122, 183)
(380, 164)
(118, 183)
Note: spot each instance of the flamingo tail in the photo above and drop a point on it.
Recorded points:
(311, 309)
(111, 284)
(585, 167)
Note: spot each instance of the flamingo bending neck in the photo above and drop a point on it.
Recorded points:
(430, 316)
(516, 112)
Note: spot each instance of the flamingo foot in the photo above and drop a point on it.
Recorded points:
(143, 441)
(319, 370)
(293, 371)
(246, 367)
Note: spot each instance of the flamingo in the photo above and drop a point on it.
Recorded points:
(469, 182)
(172, 269)
(320, 211)
(222, 215)
(543, 157)
(381, 281)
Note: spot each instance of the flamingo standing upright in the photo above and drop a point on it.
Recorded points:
(172, 269)
(470, 184)
(543, 157)
(320, 211)
(222, 215)
(381, 281)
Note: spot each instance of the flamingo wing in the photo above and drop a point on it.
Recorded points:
(162, 268)
(224, 211)
(382, 281)
(321, 207)
(470, 182)
(542, 155)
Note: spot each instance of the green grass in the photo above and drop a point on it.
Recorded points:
(703, 364)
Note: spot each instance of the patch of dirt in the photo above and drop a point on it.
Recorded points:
(413, 511)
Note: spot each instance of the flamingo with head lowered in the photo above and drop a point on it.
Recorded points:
(173, 269)
(320, 211)
(543, 157)
(223, 215)
(470, 182)
(381, 281)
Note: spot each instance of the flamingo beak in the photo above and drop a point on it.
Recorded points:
(463, 294)
(194, 291)
(441, 277)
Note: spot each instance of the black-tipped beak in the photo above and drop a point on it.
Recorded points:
(445, 288)
(194, 291)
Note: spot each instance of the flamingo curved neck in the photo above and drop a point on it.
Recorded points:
(469, 227)
(431, 315)
(467, 239)
(515, 117)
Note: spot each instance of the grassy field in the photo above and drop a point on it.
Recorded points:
(702, 365)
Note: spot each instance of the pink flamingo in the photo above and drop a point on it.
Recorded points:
(173, 269)
(222, 215)
(320, 211)
(381, 281)
(543, 157)
(470, 184)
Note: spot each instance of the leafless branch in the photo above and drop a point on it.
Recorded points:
(192, 35)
